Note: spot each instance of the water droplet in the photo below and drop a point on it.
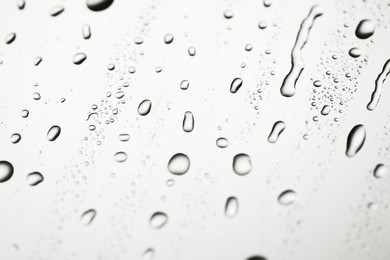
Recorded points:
(15, 138)
(131, 70)
(21, 4)
(124, 137)
(222, 142)
(248, 47)
(179, 164)
(111, 66)
(10, 38)
(262, 25)
(158, 219)
(355, 52)
(277, 129)
(120, 157)
(325, 110)
(6, 171)
(144, 107)
(267, 3)
(86, 31)
(148, 254)
(79, 58)
(289, 83)
(235, 85)
(355, 140)
(191, 51)
(365, 29)
(24, 113)
(99, 5)
(34, 178)
(228, 14)
(138, 40)
(380, 171)
(317, 83)
(37, 61)
(88, 216)
(188, 122)
(377, 93)
(287, 197)
(231, 207)
(56, 10)
(184, 84)
(36, 96)
(242, 164)
(168, 38)
(53, 133)
(256, 257)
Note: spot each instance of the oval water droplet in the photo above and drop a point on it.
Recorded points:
(355, 140)
(120, 157)
(262, 25)
(6, 171)
(235, 85)
(21, 4)
(86, 31)
(317, 83)
(242, 164)
(10, 38)
(365, 29)
(124, 137)
(53, 133)
(168, 38)
(184, 84)
(158, 220)
(188, 122)
(79, 58)
(24, 113)
(287, 197)
(179, 164)
(34, 178)
(144, 107)
(88, 216)
(231, 207)
(222, 142)
(56, 10)
(228, 14)
(325, 110)
(99, 5)
(277, 129)
(15, 138)
(380, 171)
(355, 52)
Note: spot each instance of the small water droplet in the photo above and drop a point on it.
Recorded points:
(79, 58)
(228, 14)
(144, 107)
(168, 38)
(179, 164)
(355, 52)
(188, 122)
(242, 164)
(317, 83)
(248, 47)
(355, 140)
(6, 171)
(148, 254)
(235, 85)
(158, 220)
(287, 197)
(267, 3)
(21, 4)
(184, 84)
(86, 31)
(191, 51)
(120, 157)
(380, 171)
(15, 138)
(325, 110)
(88, 216)
(231, 207)
(256, 257)
(262, 25)
(56, 10)
(37, 61)
(99, 5)
(222, 142)
(365, 29)
(53, 133)
(111, 66)
(277, 129)
(24, 113)
(124, 137)
(10, 38)
(34, 178)
(36, 96)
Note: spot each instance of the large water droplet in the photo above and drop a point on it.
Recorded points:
(179, 164)
(242, 164)
(144, 107)
(287, 197)
(6, 171)
(79, 58)
(365, 29)
(158, 219)
(380, 171)
(355, 140)
(120, 157)
(10, 38)
(236, 85)
(53, 133)
(188, 122)
(34, 178)
(231, 207)
(222, 142)
(277, 129)
(99, 5)
(88, 216)
(15, 138)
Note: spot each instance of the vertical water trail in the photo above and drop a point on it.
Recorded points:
(376, 94)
